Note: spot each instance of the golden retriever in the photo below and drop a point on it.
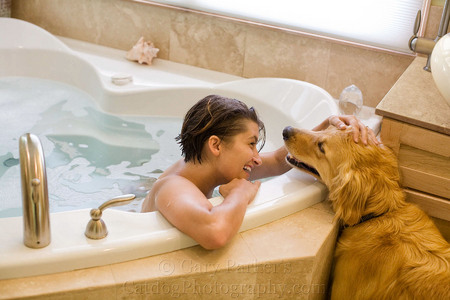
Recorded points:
(388, 248)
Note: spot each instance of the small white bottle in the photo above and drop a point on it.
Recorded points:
(351, 100)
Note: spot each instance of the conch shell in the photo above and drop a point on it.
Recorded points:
(143, 52)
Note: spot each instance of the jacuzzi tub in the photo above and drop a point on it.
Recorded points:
(166, 89)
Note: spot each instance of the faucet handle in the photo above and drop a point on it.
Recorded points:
(117, 201)
(417, 22)
(96, 227)
(413, 40)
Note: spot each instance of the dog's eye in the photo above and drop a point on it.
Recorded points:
(320, 145)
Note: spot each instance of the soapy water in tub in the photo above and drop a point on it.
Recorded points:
(90, 156)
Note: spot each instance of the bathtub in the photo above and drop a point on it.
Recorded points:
(163, 89)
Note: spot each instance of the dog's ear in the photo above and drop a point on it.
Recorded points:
(367, 182)
(349, 194)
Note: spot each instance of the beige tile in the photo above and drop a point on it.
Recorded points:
(231, 284)
(234, 268)
(207, 42)
(289, 279)
(322, 266)
(30, 11)
(122, 23)
(83, 294)
(324, 206)
(86, 281)
(274, 53)
(296, 236)
(372, 71)
(219, 285)
(193, 260)
(190, 273)
(111, 23)
(415, 99)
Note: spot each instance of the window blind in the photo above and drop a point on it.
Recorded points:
(380, 23)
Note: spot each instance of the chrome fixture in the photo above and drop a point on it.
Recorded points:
(424, 45)
(36, 217)
(96, 228)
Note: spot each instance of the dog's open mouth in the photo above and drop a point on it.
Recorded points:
(301, 165)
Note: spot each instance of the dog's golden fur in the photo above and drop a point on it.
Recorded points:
(399, 253)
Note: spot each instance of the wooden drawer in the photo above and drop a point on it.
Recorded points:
(424, 162)
(395, 133)
(424, 171)
(433, 206)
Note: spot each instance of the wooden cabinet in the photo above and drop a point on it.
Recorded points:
(424, 162)
(416, 125)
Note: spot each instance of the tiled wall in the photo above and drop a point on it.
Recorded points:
(219, 44)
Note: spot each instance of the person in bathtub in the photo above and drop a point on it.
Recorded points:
(219, 141)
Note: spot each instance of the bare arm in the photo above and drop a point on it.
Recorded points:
(191, 212)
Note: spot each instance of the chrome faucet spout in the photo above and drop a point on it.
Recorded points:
(36, 216)
(424, 45)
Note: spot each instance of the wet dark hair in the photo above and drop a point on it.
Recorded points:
(215, 115)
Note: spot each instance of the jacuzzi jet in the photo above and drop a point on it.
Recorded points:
(121, 79)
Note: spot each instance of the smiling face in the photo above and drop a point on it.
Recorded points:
(216, 116)
(239, 153)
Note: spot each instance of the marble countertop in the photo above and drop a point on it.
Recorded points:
(415, 99)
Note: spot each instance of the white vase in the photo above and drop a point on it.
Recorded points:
(440, 66)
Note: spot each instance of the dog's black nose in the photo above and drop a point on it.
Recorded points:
(287, 132)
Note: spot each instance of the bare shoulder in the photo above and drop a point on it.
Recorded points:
(170, 189)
